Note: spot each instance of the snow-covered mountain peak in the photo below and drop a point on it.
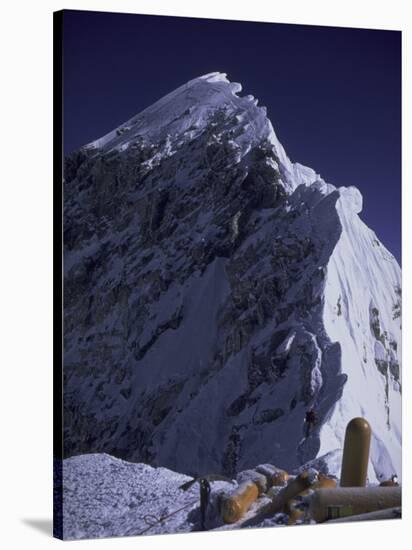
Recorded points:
(203, 267)
(185, 110)
(185, 113)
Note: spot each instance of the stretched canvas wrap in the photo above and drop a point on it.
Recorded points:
(227, 319)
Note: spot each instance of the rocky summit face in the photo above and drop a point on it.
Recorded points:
(215, 291)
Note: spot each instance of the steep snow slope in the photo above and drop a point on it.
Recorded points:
(363, 286)
(214, 291)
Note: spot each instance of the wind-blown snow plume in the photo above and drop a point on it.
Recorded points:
(214, 291)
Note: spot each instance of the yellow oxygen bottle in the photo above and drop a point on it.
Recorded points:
(356, 453)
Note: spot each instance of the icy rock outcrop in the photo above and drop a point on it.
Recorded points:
(214, 291)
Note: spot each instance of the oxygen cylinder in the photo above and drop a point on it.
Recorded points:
(328, 504)
(238, 503)
(295, 487)
(276, 477)
(281, 498)
(356, 453)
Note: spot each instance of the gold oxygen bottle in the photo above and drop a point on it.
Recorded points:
(238, 503)
(356, 453)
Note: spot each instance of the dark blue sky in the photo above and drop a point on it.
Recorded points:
(333, 95)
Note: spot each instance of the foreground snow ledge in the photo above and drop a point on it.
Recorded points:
(105, 496)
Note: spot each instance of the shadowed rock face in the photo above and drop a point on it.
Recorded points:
(196, 262)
